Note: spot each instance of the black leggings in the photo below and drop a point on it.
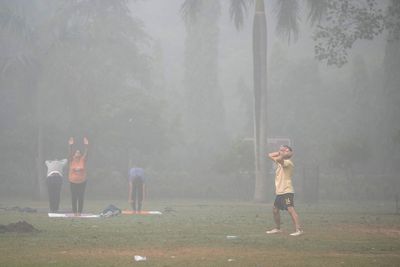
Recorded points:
(54, 183)
(77, 195)
(137, 194)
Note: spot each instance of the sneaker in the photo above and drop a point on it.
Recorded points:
(297, 233)
(274, 231)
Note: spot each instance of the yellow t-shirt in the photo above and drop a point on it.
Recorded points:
(283, 178)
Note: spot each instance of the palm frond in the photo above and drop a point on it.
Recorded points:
(317, 10)
(288, 18)
(190, 10)
(238, 10)
(13, 17)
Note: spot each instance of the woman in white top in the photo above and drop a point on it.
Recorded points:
(55, 174)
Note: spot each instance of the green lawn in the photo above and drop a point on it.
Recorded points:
(194, 234)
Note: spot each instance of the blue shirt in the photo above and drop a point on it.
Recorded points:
(136, 172)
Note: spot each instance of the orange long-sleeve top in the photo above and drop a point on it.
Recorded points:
(77, 170)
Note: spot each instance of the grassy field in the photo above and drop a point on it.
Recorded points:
(194, 233)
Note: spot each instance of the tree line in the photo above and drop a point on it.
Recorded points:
(88, 68)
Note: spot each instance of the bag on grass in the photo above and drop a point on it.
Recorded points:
(110, 211)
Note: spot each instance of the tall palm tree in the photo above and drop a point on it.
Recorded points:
(260, 99)
(287, 26)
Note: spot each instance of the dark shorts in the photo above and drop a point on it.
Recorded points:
(284, 201)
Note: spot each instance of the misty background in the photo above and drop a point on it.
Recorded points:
(150, 87)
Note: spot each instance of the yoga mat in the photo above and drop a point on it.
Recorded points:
(143, 212)
(71, 215)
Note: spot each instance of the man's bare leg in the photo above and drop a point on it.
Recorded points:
(277, 217)
(295, 217)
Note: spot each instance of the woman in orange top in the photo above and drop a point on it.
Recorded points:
(77, 176)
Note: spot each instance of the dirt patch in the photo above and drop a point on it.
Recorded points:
(370, 229)
(16, 208)
(200, 253)
(181, 252)
(18, 227)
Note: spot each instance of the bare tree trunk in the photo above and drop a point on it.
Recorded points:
(260, 100)
(40, 186)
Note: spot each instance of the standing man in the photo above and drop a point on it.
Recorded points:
(136, 188)
(77, 175)
(54, 182)
(284, 189)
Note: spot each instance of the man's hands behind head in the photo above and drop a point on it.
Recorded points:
(287, 154)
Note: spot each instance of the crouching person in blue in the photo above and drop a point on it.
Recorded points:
(136, 188)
